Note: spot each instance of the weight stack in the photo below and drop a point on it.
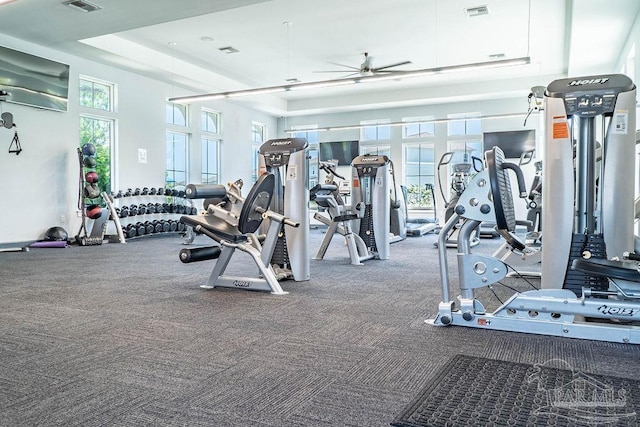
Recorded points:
(280, 255)
(576, 280)
(366, 229)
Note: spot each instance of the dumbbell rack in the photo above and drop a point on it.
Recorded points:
(151, 212)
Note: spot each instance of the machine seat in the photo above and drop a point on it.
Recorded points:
(598, 267)
(346, 217)
(217, 226)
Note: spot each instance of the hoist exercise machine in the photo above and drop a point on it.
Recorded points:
(232, 221)
(328, 197)
(287, 159)
(381, 219)
(587, 288)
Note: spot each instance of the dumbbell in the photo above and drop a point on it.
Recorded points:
(142, 209)
(136, 192)
(151, 209)
(168, 192)
(141, 229)
(152, 191)
(160, 191)
(133, 210)
(181, 226)
(148, 227)
(157, 226)
(166, 226)
(130, 230)
(128, 193)
(144, 191)
(173, 224)
(180, 193)
(123, 212)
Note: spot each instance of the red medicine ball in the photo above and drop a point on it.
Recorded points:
(94, 211)
(91, 177)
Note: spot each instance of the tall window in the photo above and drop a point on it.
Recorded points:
(176, 171)
(464, 137)
(375, 130)
(258, 135)
(418, 161)
(97, 126)
(419, 174)
(211, 130)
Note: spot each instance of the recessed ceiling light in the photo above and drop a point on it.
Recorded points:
(6, 1)
(497, 56)
(206, 39)
(82, 5)
(294, 80)
(477, 11)
(172, 44)
(228, 49)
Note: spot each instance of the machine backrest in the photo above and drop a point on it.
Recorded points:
(501, 190)
(503, 196)
(256, 203)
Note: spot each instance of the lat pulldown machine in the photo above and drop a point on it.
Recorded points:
(587, 291)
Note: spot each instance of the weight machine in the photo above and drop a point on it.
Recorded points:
(588, 290)
(232, 221)
(287, 159)
(328, 196)
(381, 221)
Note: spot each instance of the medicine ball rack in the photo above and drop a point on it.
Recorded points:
(151, 211)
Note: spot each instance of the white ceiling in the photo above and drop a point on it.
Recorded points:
(164, 39)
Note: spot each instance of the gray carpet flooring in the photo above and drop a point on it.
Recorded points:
(122, 335)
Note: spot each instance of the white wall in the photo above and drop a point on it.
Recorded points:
(41, 184)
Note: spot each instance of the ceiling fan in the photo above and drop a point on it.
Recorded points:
(367, 67)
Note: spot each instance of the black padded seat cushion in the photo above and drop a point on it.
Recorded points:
(623, 270)
(216, 226)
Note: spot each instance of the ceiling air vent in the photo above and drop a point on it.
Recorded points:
(477, 11)
(228, 49)
(82, 5)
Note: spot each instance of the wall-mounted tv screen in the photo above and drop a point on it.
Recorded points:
(513, 143)
(342, 151)
(33, 81)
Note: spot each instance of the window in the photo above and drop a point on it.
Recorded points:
(210, 164)
(378, 130)
(210, 121)
(380, 150)
(466, 125)
(97, 126)
(310, 136)
(419, 175)
(176, 170)
(258, 135)
(417, 128)
(176, 114)
(96, 95)
(176, 145)
(210, 148)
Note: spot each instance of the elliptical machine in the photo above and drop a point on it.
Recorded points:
(460, 178)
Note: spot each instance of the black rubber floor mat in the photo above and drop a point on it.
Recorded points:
(474, 391)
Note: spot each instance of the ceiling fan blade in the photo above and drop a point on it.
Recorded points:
(343, 65)
(397, 64)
